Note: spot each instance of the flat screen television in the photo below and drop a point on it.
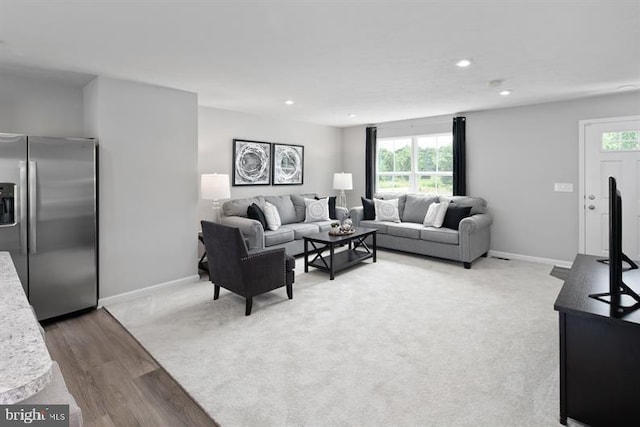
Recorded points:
(617, 288)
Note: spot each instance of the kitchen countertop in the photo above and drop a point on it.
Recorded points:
(25, 363)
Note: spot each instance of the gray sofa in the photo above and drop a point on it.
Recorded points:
(466, 244)
(289, 236)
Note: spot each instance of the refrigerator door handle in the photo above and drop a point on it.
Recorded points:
(33, 200)
(22, 206)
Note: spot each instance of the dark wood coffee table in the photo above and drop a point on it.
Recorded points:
(358, 250)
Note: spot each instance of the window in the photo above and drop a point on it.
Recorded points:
(416, 164)
(621, 141)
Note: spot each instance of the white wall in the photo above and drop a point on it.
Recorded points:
(148, 183)
(514, 156)
(217, 129)
(40, 107)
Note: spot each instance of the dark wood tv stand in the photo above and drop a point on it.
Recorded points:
(599, 349)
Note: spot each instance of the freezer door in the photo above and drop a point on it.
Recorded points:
(62, 219)
(13, 202)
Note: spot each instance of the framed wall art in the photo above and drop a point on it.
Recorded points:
(288, 164)
(251, 162)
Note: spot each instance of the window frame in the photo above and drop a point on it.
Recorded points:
(414, 174)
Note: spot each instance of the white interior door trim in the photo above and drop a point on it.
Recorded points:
(582, 127)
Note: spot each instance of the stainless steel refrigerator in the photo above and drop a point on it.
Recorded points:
(48, 220)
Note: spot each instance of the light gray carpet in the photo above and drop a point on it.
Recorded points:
(408, 341)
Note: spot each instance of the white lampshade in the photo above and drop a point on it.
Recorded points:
(342, 181)
(214, 186)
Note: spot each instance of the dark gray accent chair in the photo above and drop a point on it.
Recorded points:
(242, 272)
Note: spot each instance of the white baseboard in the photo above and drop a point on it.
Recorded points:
(558, 262)
(126, 296)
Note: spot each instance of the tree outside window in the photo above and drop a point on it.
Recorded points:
(416, 164)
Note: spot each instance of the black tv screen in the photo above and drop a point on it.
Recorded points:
(617, 288)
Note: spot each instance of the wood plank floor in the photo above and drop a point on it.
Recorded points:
(113, 378)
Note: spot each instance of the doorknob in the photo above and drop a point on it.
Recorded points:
(591, 207)
(591, 197)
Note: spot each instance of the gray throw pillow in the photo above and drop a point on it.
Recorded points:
(416, 207)
(285, 208)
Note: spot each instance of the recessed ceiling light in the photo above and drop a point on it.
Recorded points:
(353, 115)
(463, 63)
(505, 93)
(626, 87)
(289, 102)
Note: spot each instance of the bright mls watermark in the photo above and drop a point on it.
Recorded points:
(34, 415)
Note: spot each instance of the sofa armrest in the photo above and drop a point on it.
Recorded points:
(475, 236)
(341, 213)
(250, 228)
(474, 223)
(356, 215)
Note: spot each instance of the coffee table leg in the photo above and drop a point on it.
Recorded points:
(375, 247)
(306, 256)
(331, 262)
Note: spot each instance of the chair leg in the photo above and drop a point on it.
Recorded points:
(247, 311)
(216, 292)
(467, 265)
(290, 291)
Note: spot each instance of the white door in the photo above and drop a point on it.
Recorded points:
(611, 148)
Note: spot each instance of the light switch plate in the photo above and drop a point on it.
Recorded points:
(564, 187)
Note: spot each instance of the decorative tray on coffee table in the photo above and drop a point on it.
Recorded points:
(340, 233)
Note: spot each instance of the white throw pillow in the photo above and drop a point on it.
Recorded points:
(435, 214)
(387, 210)
(316, 210)
(272, 216)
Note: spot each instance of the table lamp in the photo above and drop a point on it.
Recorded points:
(215, 187)
(342, 181)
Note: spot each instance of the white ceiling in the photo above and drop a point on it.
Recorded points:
(381, 60)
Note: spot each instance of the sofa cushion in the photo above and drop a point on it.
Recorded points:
(281, 235)
(317, 210)
(301, 229)
(387, 210)
(402, 200)
(478, 204)
(368, 209)
(405, 229)
(454, 215)
(378, 225)
(332, 206)
(272, 216)
(440, 235)
(416, 206)
(254, 212)
(238, 207)
(435, 214)
(285, 208)
(299, 206)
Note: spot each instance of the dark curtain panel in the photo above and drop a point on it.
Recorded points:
(370, 159)
(459, 157)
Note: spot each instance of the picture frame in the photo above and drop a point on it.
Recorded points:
(251, 162)
(288, 164)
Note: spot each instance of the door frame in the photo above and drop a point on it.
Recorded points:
(582, 194)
